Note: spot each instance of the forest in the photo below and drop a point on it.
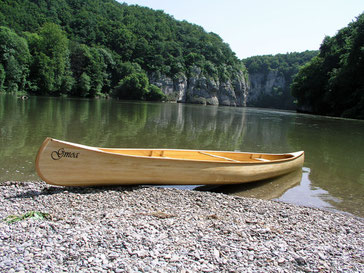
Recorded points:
(332, 83)
(101, 48)
(286, 64)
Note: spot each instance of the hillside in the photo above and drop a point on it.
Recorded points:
(332, 83)
(101, 47)
(270, 77)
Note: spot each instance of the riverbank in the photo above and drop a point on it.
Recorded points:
(148, 229)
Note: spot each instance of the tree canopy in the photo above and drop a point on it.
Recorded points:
(14, 60)
(83, 48)
(332, 83)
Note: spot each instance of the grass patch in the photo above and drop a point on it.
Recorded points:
(31, 214)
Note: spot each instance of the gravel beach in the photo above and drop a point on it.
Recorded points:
(150, 229)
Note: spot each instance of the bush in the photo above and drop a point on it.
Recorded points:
(132, 87)
(155, 94)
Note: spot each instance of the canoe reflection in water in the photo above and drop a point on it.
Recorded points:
(265, 189)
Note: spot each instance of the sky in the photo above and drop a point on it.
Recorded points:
(261, 27)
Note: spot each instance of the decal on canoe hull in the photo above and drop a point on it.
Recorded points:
(57, 155)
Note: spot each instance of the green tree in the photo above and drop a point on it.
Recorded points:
(333, 83)
(84, 85)
(155, 94)
(14, 59)
(307, 85)
(50, 59)
(132, 87)
(97, 63)
(2, 77)
(121, 70)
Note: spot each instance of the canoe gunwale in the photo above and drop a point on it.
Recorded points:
(293, 156)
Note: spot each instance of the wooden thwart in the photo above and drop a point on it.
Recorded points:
(219, 156)
(261, 159)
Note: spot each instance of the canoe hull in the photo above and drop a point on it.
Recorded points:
(67, 164)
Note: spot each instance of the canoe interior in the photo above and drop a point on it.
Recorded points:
(200, 155)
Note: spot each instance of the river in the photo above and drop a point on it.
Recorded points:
(332, 177)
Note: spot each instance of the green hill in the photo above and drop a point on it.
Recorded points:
(332, 83)
(92, 48)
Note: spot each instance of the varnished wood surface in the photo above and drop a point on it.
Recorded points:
(69, 164)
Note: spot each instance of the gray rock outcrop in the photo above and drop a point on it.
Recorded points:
(262, 84)
(270, 89)
(201, 89)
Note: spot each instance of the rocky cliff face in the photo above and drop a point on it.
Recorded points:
(262, 84)
(269, 89)
(198, 88)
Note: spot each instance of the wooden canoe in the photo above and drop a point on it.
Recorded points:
(69, 164)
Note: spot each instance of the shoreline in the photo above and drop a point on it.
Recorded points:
(151, 229)
(25, 96)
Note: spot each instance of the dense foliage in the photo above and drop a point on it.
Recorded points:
(333, 82)
(98, 47)
(284, 66)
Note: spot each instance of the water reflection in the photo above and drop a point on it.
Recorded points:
(335, 155)
(267, 189)
(333, 147)
(305, 194)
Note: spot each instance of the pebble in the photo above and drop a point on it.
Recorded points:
(150, 229)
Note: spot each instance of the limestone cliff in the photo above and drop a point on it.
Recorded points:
(198, 88)
(271, 76)
(269, 89)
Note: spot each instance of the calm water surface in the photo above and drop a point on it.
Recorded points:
(332, 177)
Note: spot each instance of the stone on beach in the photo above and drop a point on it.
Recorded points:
(150, 229)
